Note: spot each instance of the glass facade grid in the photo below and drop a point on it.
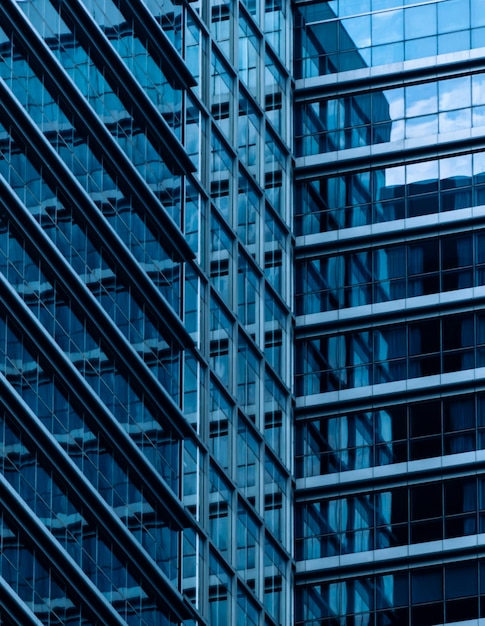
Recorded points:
(178, 86)
(422, 110)
(390, 353)
(418, 596)
(342, 36)
(391, 272)
(273, 212)
(404, 515)
(388, 295)
(392, 434)
(393, 193)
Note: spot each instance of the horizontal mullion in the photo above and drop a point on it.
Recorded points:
(73, 103)
(407, 558)
(376, 156)
(54, 360)
(94, 508)
(60, 178)
(387, 477)
(339, 324)
(75, 291)
(331, 87)
(99, 48)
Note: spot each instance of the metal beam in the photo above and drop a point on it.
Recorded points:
(35, 533)
(97, 320)
(92, 505)
(54, 360)
(88, 124)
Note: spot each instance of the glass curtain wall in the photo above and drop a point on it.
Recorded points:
(389, 145)
(146, 324)
(247, 262)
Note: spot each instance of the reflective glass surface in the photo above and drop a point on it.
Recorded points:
(391, 193)
(384, 519)
(388, 203)
(339, 36)
(390, 353)
(390, 273)
(393, 434)
(416, 111)
(170, 300)
(444, 594)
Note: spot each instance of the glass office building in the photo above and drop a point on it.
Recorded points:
(390, 326)
(242, 344)
(146, 319)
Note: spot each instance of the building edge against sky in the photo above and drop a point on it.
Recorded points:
(167, 168)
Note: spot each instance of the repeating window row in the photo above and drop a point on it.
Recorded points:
(339, 36)
(394, 434)
(419, 597)
(390, 353)
(390, 115)
(55, 507)
(25, 570)
(395, 517)
(70, 236)
(72, 331)
(382, 195)
(390, 273)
